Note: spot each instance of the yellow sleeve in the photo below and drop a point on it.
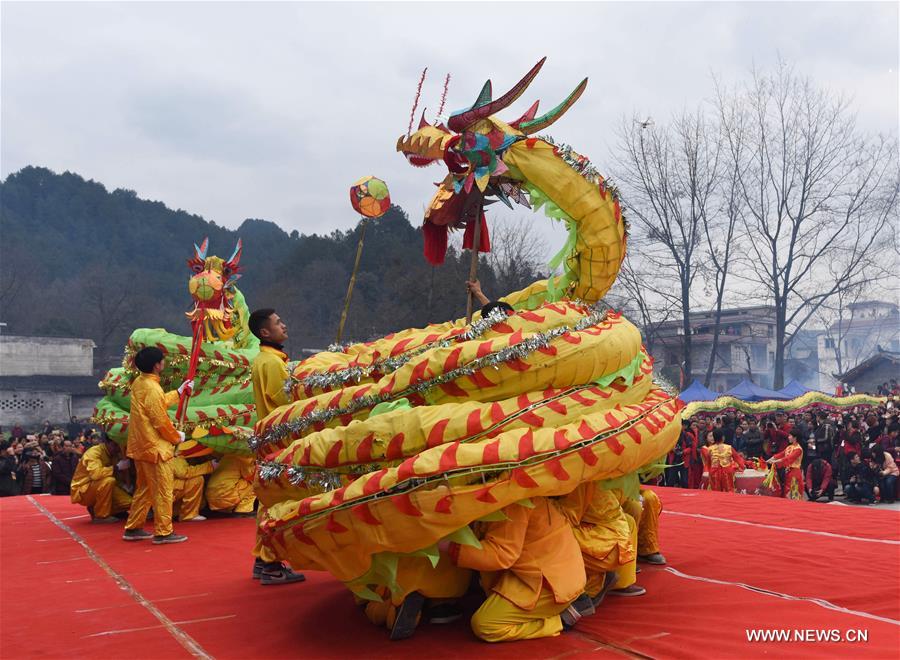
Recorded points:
(155, 405)
(501, 545)
(171, 398)
(95, 468)
(197, 470)
(274, 377)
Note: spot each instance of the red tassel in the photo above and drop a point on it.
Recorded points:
(435, 242)
(484, 244)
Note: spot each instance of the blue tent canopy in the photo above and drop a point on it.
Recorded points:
(696, 391)
(794, 389)
(747, 391)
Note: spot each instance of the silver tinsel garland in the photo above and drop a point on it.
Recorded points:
(329, 380)
(518, 351)
(324, 480)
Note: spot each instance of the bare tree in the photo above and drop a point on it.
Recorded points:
(638, 292)
(719, 230)
(669, 176)
(516, 253)
(815, 192)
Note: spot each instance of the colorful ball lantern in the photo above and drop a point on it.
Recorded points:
(370, 197)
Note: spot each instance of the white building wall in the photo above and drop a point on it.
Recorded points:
(45, 356)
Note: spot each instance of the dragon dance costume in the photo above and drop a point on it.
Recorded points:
(462, 432)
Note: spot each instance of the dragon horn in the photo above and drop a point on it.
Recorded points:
(542, 122)
(464, 118)
(236, 257)
(528, 116)
(201, 251)
(422, 122)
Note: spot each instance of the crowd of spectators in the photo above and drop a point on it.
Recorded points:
(851, 454)
(43, 460)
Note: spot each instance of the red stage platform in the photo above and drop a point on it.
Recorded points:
(736, 563)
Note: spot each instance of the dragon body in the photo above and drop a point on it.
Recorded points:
(220, 411)
(390, 446)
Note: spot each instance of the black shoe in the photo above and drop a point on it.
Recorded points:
(609, 581)
(258, 566)
(280, 574)
(654, 558)
(584, 605)
(136, 535)
(407, 616)
(444, 613)
(169, 538)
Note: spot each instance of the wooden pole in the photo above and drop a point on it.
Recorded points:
(359, 247)
(473, 261)
(197, 339)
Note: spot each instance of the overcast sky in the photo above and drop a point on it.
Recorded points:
(236, 110)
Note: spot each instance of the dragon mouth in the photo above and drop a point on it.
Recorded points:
(419, 161)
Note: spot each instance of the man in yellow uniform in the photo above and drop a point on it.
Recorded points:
(230, 488)
(151, 445)
(645, 512)
(607, 537)
(94, 483)
(189, 471)
(269, 373)
(532, 571)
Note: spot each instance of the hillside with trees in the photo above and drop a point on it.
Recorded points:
(78, 260)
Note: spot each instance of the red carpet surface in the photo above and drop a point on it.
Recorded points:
(736, 564)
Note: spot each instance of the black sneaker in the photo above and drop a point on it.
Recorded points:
(258, 566)
(136, 535)
(169, 538)
(279, 575)
(609, 581)
(407, 616)
(444, 613)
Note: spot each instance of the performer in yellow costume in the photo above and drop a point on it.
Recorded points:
(531, 570)
(645, 512)
(269, 374)
(420, 581)
(607, 537)
(188, 489)
(94, 483)
(151, 444)
(230, 486)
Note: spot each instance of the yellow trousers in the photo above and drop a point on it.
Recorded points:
(259, 550)
(105, 497)
(498, 620)
(155, 483)
(446, 581)
(188, 497)
(626, 574)
(238, 497)
(596, 569)
(646, 514)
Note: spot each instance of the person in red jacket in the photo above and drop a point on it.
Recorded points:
(692, 458)
(724, 461)
(790, 461)
(819, 482)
